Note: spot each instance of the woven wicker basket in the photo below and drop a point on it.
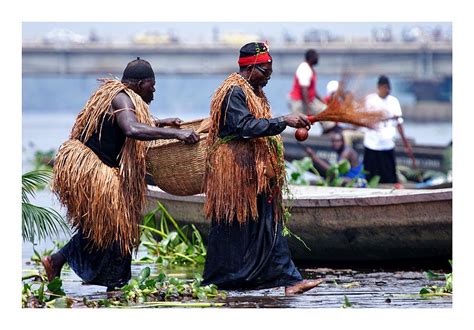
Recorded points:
(176, 167)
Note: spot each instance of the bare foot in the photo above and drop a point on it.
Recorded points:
(51, 271)
(302, 287)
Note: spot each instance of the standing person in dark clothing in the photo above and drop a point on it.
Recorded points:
(244, 178)
(99, 175)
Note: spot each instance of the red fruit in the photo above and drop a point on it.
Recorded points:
(301, 134)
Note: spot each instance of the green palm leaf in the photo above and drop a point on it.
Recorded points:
(32, 181)
(38, 223)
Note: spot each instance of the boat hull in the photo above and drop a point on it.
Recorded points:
(345, 224)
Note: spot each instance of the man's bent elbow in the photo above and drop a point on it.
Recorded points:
(132, 132)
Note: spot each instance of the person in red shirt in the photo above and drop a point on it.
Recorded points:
(304, 97)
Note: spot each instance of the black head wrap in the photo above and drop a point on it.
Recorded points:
(138, 70)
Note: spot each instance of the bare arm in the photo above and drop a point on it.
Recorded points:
(174, 122)
(320, 163)
(406, 144)
(319, 97)
(123, 108)
(351, 156)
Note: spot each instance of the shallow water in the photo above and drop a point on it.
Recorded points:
(363, 288)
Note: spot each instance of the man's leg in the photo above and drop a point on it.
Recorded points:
(53, 264)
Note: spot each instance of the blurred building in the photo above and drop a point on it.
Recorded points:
(155, 37)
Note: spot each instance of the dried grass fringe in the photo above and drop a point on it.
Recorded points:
(106, 203)
(235, 171)
(351, 112)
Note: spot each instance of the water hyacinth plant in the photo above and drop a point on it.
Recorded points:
(434, 290)
(162, 288)
(143, 291)
(169, 244)
(39, 293)
(334, 175)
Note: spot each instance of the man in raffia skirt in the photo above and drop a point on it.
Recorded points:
(244, 179)
(99, 176)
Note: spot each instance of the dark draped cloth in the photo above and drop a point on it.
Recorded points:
(106, 267)
(253, 255)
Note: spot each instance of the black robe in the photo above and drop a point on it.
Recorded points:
(253, 255)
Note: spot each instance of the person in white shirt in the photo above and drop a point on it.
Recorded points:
(379, 143)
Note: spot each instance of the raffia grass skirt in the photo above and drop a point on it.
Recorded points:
(93, 194)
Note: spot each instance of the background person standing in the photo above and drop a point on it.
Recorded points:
(304, 97)
(379, 143)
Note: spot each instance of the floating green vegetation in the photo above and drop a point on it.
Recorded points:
(163, 288)
(169, 244)
(143, 291)
(435, 290)
(43, 160)
(347, 303)
(334, 175)
(39, 293)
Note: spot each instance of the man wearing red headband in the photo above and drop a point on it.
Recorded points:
(244, 179)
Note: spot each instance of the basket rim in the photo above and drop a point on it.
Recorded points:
(194, 121)
(169, 142)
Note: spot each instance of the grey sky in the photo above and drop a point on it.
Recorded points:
(202, 31)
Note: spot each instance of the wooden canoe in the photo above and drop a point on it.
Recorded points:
(349, 224)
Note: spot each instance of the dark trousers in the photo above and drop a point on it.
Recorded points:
(381, 163)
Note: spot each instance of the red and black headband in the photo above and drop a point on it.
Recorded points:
(254, 53)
